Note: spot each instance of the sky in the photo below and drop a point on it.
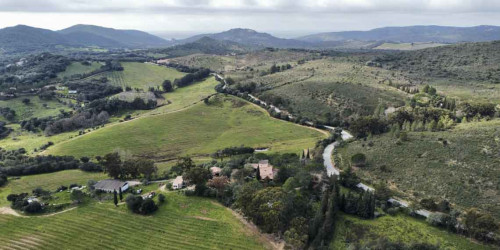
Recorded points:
(283, 18)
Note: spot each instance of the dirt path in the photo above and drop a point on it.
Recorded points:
(266, 239)
(10, 211)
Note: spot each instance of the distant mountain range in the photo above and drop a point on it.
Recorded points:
(23, 38)
(439, 34)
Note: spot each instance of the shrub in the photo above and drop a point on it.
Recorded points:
(358, 160)
(138, 205)
(392, 211)
(161, 198)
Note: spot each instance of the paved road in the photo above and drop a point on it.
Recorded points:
(327, 154)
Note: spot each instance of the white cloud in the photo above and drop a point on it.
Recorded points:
(286, 17)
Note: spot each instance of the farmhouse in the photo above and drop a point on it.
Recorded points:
(178, 182)
(266, 170)
(111, 185)
(72, 91)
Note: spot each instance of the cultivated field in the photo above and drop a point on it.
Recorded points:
(180, 223)
(78, 68)
(399, 228)
(198, 130)
(460, 165)
(141, 75)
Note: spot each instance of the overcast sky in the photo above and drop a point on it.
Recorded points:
(285, 18)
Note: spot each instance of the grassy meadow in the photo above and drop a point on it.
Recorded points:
(180, 223)
(460, 165)
(197, 131)
(78, 68)
(141, 75)
(399, 228)
(35, 107)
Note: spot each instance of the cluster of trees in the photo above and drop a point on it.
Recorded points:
(192, 78)
(139, 205)
(89, 90)
(181, 68)
(20, 202)
(365, 125)
(228, 152)
(275, 68)
(472, 223)
(131, 168)
(478, 110)
(24, 165)
(113, 106)
(7, 113)
(36, 124)
(32, 71)
(362, 205)
(4, 131)
(79, 120)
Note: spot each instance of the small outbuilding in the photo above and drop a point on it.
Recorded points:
(111, 185)
(215, 171)
(178, 182)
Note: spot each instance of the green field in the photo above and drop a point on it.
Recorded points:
(78, 68)
(198, 130)
(399, 228)
(141, 75)
(180, 223)
(463, 170)
(34, 109)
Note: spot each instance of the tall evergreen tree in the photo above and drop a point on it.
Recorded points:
(115, 198)
(120, 193)
(258, 173)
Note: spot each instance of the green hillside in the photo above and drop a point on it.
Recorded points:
(199, 130)
(460, 165)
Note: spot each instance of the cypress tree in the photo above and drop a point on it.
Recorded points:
(115, 198)
(258, 173)
(120, 193)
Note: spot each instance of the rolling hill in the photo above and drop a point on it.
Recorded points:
(22, 38)
(440, 34)
(206, 45)
(108, 37)
(251, 38)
